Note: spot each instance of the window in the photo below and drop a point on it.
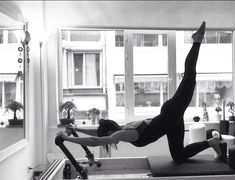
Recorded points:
(119, 38)
(142, 40)
(214, 70)
(95, 70)
(11, 83)
(145, 40)
(1, 36)
(81, 36)
(10, 90)
(149, 90)
(10, 36)
(86, 69)
(211, 37)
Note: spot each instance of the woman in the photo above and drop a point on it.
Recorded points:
(169, 122)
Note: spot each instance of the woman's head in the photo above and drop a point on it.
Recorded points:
(107, 127)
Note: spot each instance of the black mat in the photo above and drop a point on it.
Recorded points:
(198, 165)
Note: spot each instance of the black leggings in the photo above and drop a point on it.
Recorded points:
(170, 121)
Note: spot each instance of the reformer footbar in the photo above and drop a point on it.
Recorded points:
(83, 173)
(89, 155)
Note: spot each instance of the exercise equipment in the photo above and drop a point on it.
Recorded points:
(231, 160)
(197, 132)
(80, 169)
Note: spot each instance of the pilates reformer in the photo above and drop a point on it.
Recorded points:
(90, 156)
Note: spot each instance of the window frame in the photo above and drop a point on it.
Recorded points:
(128, 56)
(70, 58)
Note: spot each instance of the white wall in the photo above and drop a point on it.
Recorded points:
(132, 14)
(15, 166)
(149, 14)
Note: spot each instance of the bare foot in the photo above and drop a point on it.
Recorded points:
(215, 134)
(199, 34)
(214, 143)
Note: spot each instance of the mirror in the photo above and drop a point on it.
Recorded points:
(13, 52)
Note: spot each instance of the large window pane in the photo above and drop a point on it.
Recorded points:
(150, 72)
(91, 67)
(12, 37)
(10, 92)
(214, 70)
(78, 69)
(84, 35)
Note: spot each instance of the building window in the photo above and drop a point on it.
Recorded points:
(145, 40)
(214, 70)
(1, 36)
(86, 69)
(83, 69)
(102, 65)
(119, 38)
(77, 35)
(10, 92)
(10, 36)
(142, 40)
(211, 37)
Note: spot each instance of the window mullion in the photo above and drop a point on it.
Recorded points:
(3, 95)
(171, 63)
(129, 75)
(233, 63)
(84, 70)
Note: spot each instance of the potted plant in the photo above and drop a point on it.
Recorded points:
(218, 116)
(14, 106)
(67, 107)
(93, 115)
(231, 110)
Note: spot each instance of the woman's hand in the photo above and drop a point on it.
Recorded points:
(71, 127)
(61, 134)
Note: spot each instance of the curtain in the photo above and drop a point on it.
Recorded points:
(91, 75)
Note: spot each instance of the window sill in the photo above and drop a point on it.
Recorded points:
(7, 152)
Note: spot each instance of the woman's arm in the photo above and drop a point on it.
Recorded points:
(91, 132)
(122, 135)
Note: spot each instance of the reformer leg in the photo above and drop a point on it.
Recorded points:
(89, 155)
(59, 142)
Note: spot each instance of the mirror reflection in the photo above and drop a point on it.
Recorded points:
(11, 85)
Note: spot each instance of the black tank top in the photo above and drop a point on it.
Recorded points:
(140, 130)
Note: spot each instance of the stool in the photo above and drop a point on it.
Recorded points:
(229, 140)
(197, 132)
(231, 160)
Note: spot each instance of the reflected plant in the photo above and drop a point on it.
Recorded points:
(14, 106)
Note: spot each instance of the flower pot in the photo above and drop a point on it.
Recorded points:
(15, 122)
(196, 118)
(218, 117)
(66, 121)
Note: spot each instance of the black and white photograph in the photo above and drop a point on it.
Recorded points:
(117, 89)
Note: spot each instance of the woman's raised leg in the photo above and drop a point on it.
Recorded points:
(177, 105)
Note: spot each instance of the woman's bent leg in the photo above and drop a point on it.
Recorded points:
(178, 152)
